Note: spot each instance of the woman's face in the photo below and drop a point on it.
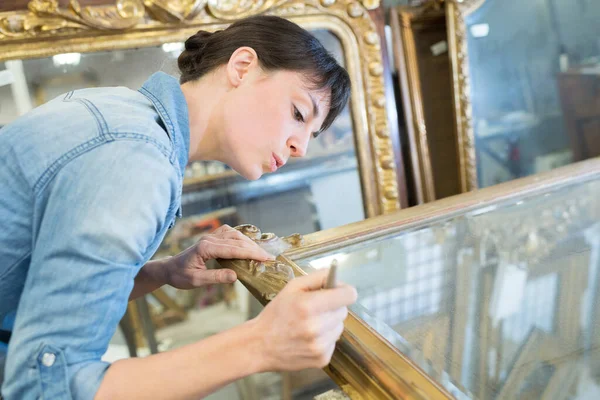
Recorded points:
(268, 118)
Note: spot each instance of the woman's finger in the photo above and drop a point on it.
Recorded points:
(234, 234)
(332, 335)
(237, 235)
(220, 230)
(231, 248)
(330, 299)
(333, 318)
(202, 277)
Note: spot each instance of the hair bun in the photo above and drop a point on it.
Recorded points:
(190, 59)
(198, 40)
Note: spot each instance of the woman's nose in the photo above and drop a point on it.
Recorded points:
(296, 151)
(297, 147)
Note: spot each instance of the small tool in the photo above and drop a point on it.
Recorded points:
(332, 276)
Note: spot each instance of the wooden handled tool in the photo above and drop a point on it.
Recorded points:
(332, 276)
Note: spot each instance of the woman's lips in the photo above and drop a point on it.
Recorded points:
(276, 162)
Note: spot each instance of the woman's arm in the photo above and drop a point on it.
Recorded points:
(189, 372)
(151, 277)
(297, 330)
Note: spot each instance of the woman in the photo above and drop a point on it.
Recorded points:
(91, 183)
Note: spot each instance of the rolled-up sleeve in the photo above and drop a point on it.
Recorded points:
(96, 223)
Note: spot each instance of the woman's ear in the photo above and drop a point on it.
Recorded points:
(241, 62)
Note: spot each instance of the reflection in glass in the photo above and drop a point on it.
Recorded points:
(534, 385)
(535, 69)
(498, 302)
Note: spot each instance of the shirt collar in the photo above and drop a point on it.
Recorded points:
(165, 94)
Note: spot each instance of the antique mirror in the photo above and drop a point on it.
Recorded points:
(492, 294)
(534, 85)
(488, 101)
(50, 47)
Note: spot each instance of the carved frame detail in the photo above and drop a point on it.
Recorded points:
(456, 11)
(264, 279)
(46, 29)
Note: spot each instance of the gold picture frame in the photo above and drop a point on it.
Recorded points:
(412, 100)
(46, 29)
(433, 82)
(437, 174)
(456, 12)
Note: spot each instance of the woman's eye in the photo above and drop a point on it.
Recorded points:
(298, 115)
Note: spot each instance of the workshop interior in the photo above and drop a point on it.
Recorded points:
(458, 191)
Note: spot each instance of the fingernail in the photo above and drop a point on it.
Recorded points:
(231, 276)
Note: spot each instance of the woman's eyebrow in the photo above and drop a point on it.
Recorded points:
(314, 103)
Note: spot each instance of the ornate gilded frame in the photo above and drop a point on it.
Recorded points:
(456, 12)
(46, 29)
(413, 105)
(408, 74)
(402, 20)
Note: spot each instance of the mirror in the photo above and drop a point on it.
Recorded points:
(493, 299)
(486, 101)
(535, 85)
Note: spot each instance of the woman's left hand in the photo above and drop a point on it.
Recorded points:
(187, 270)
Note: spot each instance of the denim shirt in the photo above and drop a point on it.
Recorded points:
(90, 182)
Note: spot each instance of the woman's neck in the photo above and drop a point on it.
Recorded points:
(202, 97)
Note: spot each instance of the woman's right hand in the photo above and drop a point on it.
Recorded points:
(300, 326)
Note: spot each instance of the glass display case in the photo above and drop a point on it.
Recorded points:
(492, 294)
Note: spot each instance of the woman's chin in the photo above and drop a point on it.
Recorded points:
(252, 174)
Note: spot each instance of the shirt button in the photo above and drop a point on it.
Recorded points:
(48, 359)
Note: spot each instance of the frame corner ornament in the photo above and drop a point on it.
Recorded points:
(264, 279)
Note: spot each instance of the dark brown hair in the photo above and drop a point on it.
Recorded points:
(280, 45)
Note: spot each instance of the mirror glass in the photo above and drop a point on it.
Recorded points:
(535, 85)
(500, 302)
